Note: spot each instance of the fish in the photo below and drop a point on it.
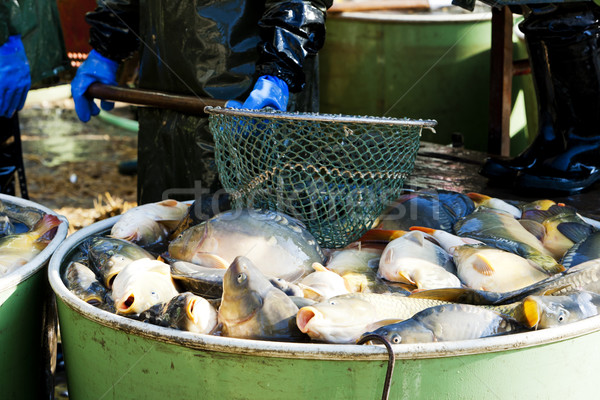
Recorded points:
(358, 267)
(252, 308)
(482, 200)
(343, 319)
(208, 282)
(437, 209)
(322, 284)
(448, 322)
(585, 276)
(558, 228)
(142, 284)
(6, 226)
(149, 225)
(279, 245)
(289, 288)
(415, 260)
(551, 311)
(83, 283)
(186, 311)
(23, 218)
(484, 267)
(542, 204)
(202, 281)
(108, 256)
(585, 250)
(501, 230)
(18, 249)
(201, 210)
(446, 240)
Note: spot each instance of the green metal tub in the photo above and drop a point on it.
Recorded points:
(433, 64)
(28, 321)
(113, 357)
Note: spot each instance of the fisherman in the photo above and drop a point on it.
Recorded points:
(563, 39)
(251, 53)
(31, 49)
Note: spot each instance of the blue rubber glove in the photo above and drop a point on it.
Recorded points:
(15, 77)
(269, 91)
(96, 68)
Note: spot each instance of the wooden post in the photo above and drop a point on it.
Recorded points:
(501, 74)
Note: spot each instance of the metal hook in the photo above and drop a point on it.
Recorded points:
(391, 360)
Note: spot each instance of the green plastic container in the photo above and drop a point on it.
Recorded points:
(112, 357)
(432, 65)
(28, 321)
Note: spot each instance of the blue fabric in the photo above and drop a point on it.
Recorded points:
(269, 91)
(96, 68)
(15, 76)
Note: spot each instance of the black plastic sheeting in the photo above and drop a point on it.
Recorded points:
(38, 23)
(212, 49)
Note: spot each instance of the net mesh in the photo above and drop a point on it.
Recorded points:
(334, 173)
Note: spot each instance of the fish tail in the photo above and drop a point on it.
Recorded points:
(46, 227)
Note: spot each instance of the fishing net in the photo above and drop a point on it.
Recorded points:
(334, 173)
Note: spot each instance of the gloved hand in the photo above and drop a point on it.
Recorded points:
(96, 68)
(15, 77)
(269, 91)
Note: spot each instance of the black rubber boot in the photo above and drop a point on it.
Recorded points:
(563, 47)
(567, 40)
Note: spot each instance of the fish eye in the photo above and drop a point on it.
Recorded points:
(332, 302)
(241, 278)
(396, 339)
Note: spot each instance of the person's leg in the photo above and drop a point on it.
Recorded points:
(564, 47)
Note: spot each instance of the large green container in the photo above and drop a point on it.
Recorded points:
(112, 357)
(28, 321)
(433, 65)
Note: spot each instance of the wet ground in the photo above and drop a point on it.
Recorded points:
(72, 167)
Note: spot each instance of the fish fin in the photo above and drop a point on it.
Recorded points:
(404, 278)
(168, 203)
(381, 235)
(210, 260)
(535, 215)
(483, 265)
(575, 231)
(378, 324)
(534, 227)
(46, 227)
(319, 267)
(446, 294)
(531, 312)
(429, 231)
(478, 198)
(417, 237)
(310, 292)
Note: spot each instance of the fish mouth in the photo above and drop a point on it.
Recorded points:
(126, 306)
(304, 316)
(190, 310)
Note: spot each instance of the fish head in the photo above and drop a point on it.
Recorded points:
(243, 289)
(550, 311)
(142, 284)
(195, 239)
(408, 331)
(196, 313)
(340, 319)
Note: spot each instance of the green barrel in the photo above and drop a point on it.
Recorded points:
(28, 321)
(112, 357)
(433, 65)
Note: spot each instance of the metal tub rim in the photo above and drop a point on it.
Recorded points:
(292, 350)
(35, 264)
(391, 17)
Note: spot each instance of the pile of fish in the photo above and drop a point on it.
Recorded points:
(24, 233)
(437, 266)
